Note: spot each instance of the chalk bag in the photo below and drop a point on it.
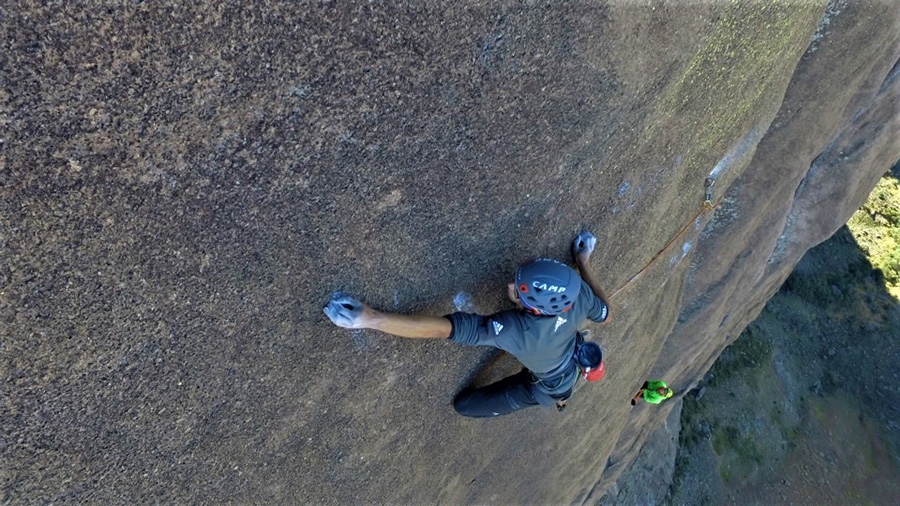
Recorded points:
(590, 361)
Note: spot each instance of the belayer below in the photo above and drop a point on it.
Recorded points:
(551, 299)
(653, 391)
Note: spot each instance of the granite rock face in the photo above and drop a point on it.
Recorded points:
(182, 188)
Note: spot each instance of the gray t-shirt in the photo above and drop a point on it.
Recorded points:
(544, 344)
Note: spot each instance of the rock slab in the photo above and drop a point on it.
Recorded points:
(182, 187)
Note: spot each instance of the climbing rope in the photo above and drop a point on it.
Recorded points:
(708, 205)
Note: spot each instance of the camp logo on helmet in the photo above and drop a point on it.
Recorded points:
(549, 288)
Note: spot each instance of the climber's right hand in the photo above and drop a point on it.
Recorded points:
(347, 312)
(583, 246)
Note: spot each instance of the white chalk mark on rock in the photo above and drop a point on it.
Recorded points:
(463, 302)
(740, 153)
(358, 337)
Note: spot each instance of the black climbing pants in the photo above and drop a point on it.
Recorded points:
(503, 397)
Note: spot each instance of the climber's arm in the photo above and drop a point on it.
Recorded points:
(581, 250)
(587, 274)
(350, 313)
(411, 326)
(638, 396)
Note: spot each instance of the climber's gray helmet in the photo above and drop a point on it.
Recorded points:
(547, 287)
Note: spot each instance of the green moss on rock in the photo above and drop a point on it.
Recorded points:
(739, 74)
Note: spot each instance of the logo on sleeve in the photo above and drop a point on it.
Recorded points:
(497, 328)
(559, 321)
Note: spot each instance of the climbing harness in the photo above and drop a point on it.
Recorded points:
(588, 361)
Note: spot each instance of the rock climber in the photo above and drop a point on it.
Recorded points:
(552, 301)
(653, 391)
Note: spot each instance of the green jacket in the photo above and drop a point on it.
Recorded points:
(652, 396)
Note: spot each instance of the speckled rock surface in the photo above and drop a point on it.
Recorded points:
(183, 187)
(647, 479)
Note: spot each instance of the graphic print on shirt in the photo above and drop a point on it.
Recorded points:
(497, 328)
(559, 321)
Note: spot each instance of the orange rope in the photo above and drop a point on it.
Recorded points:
(706, 207)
